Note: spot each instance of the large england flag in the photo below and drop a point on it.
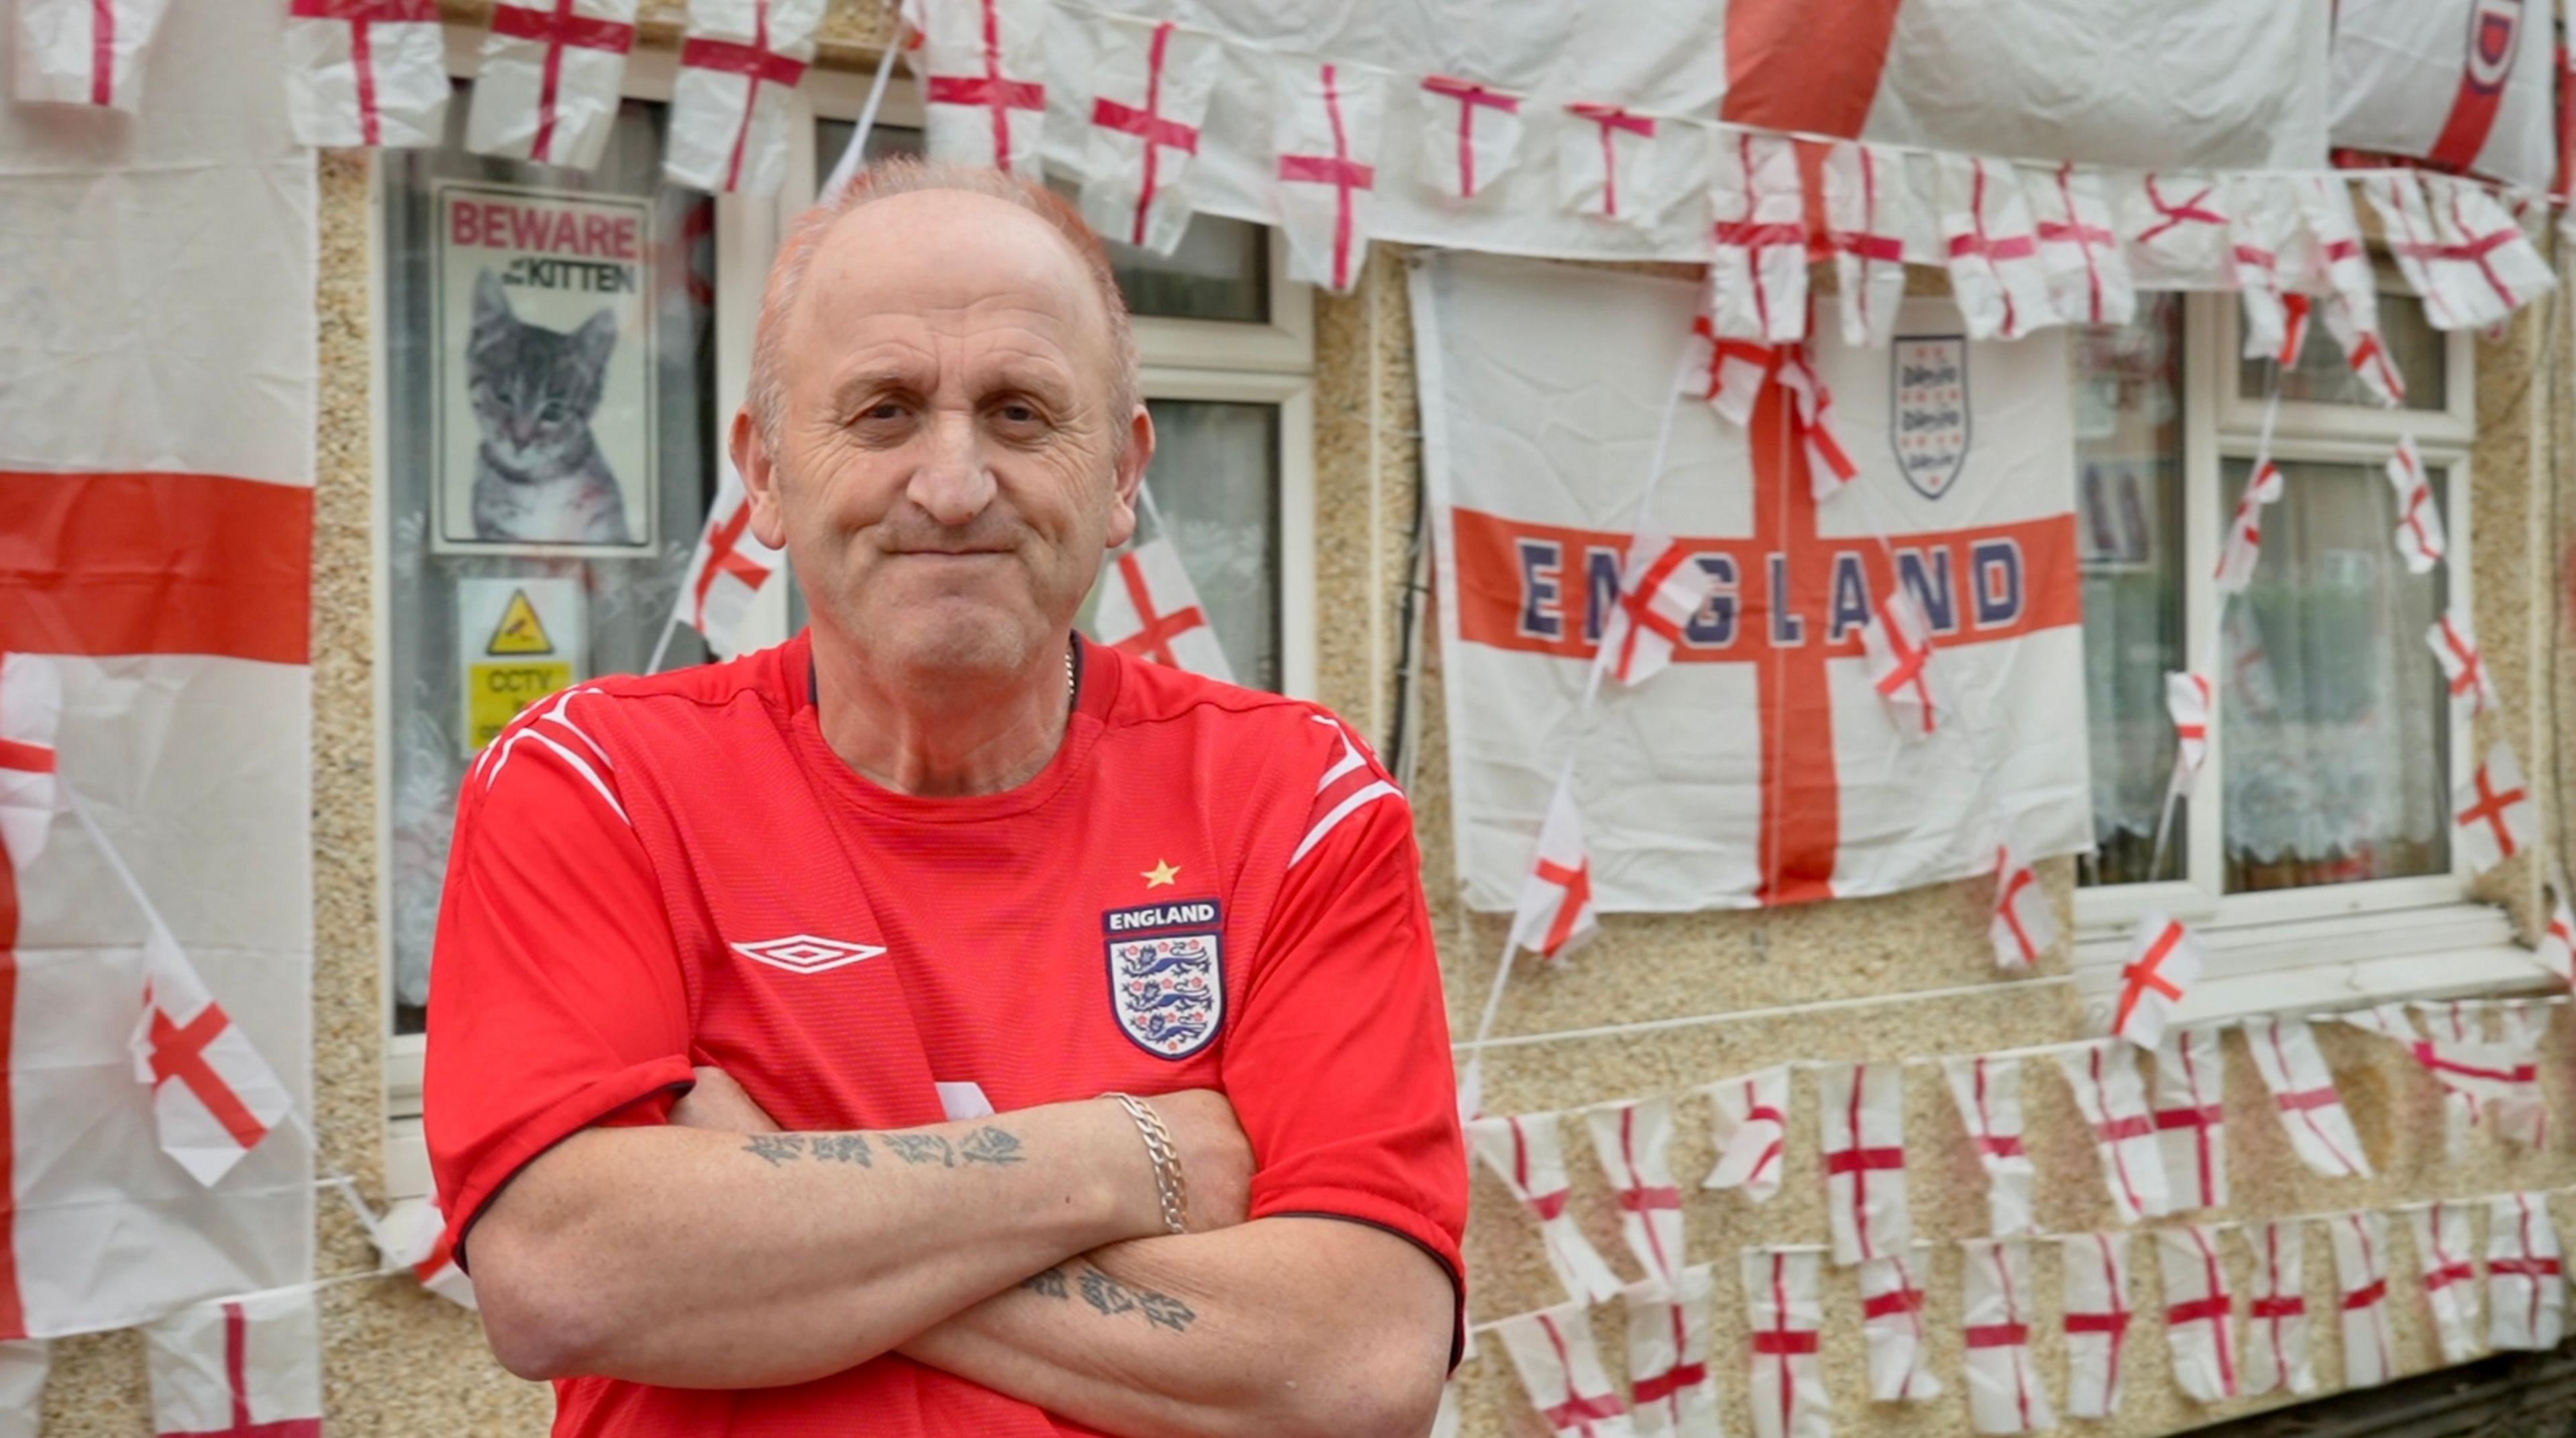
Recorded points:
(156, 483)
(1763, 768)
(2463, 85)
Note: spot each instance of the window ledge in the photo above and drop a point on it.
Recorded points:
(2436, 952)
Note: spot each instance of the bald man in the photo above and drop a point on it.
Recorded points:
(939, 1024)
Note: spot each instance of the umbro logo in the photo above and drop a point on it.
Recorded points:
(806, 953)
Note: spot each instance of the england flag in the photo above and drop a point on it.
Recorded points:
(1148, 608)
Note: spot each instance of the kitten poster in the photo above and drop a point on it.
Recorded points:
(544, 329)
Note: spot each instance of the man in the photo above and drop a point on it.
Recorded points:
(914, 890)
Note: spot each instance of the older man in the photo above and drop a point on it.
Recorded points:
(938, 1024)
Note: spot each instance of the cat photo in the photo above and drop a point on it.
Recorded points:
(539, 475)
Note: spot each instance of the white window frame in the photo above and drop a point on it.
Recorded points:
(2329, 944)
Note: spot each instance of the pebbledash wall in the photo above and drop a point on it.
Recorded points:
(399, 1361)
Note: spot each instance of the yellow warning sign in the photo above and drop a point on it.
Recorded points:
(495, 693)
(520, 631)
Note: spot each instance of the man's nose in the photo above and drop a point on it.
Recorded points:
(952, 484)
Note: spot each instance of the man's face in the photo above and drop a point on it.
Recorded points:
(947, 475)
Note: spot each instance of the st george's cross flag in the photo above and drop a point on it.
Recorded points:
(547, 89)
(982, 66)
(1151, 83)
(1470, 136)
(1891, 1328)
(85, 52)
(1749, 1119)
(1875, 212)
(2103, 1076)
(728, 568)
(415, 1237)
(1785, 1320)
(2164, 962)
(1662, 588)
(739, 66)
(2361, 1284)
(2447, 1256)
(1997, 1304)
(1987, 1090)
(2276, 1310)
(1671, 1391)
(2492, 816)
(1149, 609)
(248, 1366)
(1560, 1369)
(2461, 85)
(2200, 1312)
(2093, 1273)
(213, 1097)
(2023, 925)
(1554, 915)
(2526, 1274)
(366, 72)
(1816, 793)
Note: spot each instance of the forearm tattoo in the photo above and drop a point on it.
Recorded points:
(1108, 1297)
(984, 1145)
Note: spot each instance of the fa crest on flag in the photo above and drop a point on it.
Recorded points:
(1928, 375)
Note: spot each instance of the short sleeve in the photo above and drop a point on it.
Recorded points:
(556, 999)
(1339, 1066)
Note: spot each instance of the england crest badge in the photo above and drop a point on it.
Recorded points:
(1928, 375)
(1167, 974)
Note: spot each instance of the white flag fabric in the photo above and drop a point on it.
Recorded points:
(2459, 1098)
(1471, 136)
(1898, 643)
(24, 1362)
(2521, 1111)
(1670, 1389)
(366, 72)
(2481, 1077)
(1555, 916)
(2361, 1280)
(1527, 1153)
(1149, 609)
(2286, 1055)
(2191, 1117)
(2242, 549)
(1861, 1111)
(2276, 1329)
(2461, 83)
(1751, 1120)
(213, 1097)
(415, 1235)
(1830, 467)
(1615, 164)
(2200, 1312)
(1960, 446)
(1874, 215)
(1151, 86)
(1634, 1141)
(2445, 1249)
(2004, 1393)
(2177, 230)
(2454, 642)
(2188, 700)
(2526, 1276)
(2274, 253)
(2491, 812)
(31, 716)
(2103, 1075)
(740, 62)
(1662, 588)
(2490, 267)
(1987, 1090)
(547, 88)
(2406, 220)
(186, 716)
(2352, 285)
(2094, 1268)
(2419, 517)
(1757, 267)
(249, 1365)
(2088, 274)
(1995, 269)
(1788, 1388)
(1560, 1369)
(2164, 962)
(729, 566)
(983, 66)
(1891, 1324)
(85, 52)
(2023, 925)
(1326, 135)
(1731, 375)
(2556, 950)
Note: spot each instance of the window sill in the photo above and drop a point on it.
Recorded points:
(2437, 952)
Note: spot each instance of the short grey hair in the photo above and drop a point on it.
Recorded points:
(905, 175)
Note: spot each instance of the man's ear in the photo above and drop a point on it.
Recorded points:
(759, 480)
(1131, 476)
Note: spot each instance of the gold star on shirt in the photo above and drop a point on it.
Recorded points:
(1161, 874)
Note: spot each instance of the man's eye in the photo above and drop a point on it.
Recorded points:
(1020, 413)
(883, 409)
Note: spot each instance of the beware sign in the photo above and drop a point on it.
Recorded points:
(518, 640)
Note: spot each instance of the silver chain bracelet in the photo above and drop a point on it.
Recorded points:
(1168, 1182)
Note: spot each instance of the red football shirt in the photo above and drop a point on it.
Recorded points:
(1205, 887)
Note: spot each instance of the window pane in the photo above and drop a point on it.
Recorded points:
(2334, 714)
(1220, 272)
(2128, 448)
(547, 455)
(2322, 376)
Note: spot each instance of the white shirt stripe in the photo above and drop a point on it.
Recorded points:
(1340, 811)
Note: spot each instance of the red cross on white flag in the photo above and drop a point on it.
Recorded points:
(1471, 136)
(729, 567)
(2177, 231)
(415, 1237)
(1789, 1395)
(1750, 1116)
(2004, 1391)
(1671, 1392)
(1874, 208)
(1830, 467)
(2303, 1090)
(2352, 306)
(739, 64)
(2094, 1269)
(2407, 223)
(1861, 1112)
(2526, 1282)
(2484, 254)
(2361, 1282)
(1609, 164)
(2242, 549)
(1661, 590)
(84, 52)
(2269, 243)
(979, 62)
(213, 1097)
(31, 713)
(2556, 950)
(1326, 132)
(2191, 1117)
(1152, 84)
(1987, 1091)
(2455, 644)
(1729, 374)
(2445, 1248)
(2482, 1077)
(1149, 608)
(1898, 641)
(2491, 811)
(2023, 924)
(2164, 960)
(1560, 1369)
(548, 86)
(366, 72)
(1634, 1141)
(2276, 1311)
(1995, 271)
(1757, 267)
(2188, 700)
(1891, 1325)
(2103, 1076)
(247, 1367)
(2087, 273)
(2200, 1313)
(1554, 916)
(1527, 1152)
